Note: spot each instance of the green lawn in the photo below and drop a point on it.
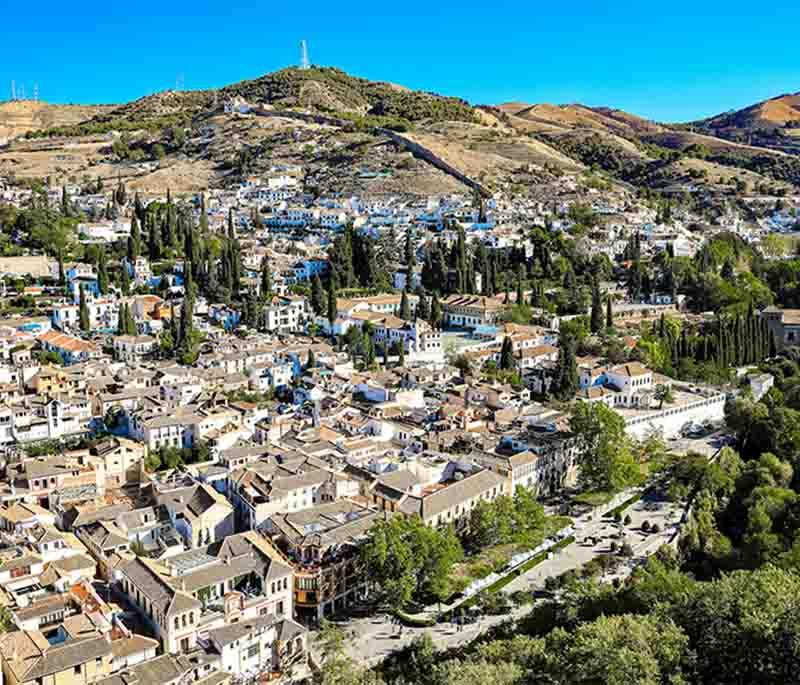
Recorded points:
(594, 499)
(494, 558)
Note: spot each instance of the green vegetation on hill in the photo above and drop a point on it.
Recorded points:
(330, 89)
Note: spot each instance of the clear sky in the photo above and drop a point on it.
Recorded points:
(668, 61)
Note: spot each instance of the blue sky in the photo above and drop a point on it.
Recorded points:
(668, 61)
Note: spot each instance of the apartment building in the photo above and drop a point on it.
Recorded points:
(322, 543)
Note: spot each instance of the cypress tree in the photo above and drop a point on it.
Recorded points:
(596, 318)
(154, 242)
(507, 355)
(565, 382)
(410, 259)
(65, 208)
(83, 312)
(121, 320)
(405, 307)
(317, 296)
(134, 240)
(436, 312)
(266, 279)
(520, 291)
(125, 280)
(369, 351)
(609, 313)
(332, 309)
(423, 310)
(130, 322)
(173, 327)
(102, 272)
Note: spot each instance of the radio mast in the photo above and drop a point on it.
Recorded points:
(304, 63)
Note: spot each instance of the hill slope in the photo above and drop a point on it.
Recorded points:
(20, 116)
(773, 123)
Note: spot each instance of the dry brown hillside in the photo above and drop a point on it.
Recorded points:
(548, 117)
(20, 116)
(776, 112)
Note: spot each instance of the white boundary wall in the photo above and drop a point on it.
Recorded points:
(669, 420)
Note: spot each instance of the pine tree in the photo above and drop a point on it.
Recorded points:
(317, 296)
(507, 355)
(596, 318)
(83, 312)
(405, 307)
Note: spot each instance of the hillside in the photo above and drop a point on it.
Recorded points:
(325, 90)
(184, 139)
(21, 116)
(773, 113)
(772, 124)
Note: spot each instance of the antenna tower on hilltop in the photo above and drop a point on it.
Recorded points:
(304, 63)
(36, 92)
(179, 82)
(13, 89)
